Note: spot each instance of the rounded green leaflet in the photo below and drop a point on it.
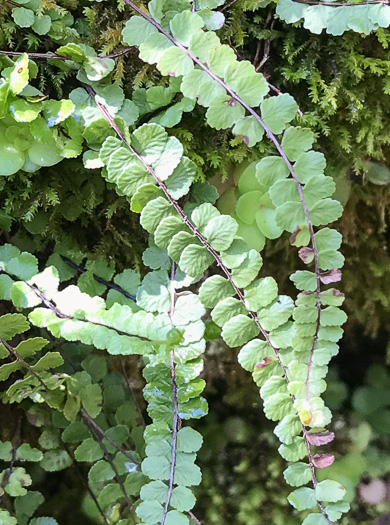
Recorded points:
(249, 85)
(96, 132)
(147, 297)
(159, 96)
(150, 512)
(179, 182)
(219, 58)
(308, 164)
(195, 259)
(189, 440)
(295, 451)
(54, 460)
(150, 140)
(143, 195)
(277, 313)
(224, 112)
(44, 154)
(290, 215)
(227, 202)
(179, 241)
(203, 214)
(24, 111)
(261, 293)
(153, 48)
(23, 17)
(227, 309)
(156, 258)
(266, 222)
(201, 42)
(11, 158)
(42, 24)
(19, 75)
(299, 473)
(289, 427)
(184, 25)
(182, 499)
(129, 112)
(328, 239)
(318, 187)
(111, 96)
(378, 173)
(282, 191)
(186, 473)
(166, 230)
(27, 453)
(297, 140)
(213, 20)
(176, 518)
(220, 232)
(251, 235)
(44, 521)
(278, 111)
(199, 85)
(379, 14)
(155, 491)
(154, 212)
(7, 519)
(137, 30)
(91, 160)
(315, 519)
(248, 204)
(97, 68)
(25, 506)
(22, 137)
(89, 451)
(132, 176)
(277, 406)
(169, 159)
(290, 11)
(175, 62)
(109, 147)
(248, 180)
(249, 130)
(156, 467)
(6, 449)
(173, 115)
(325, 211)
(18, 480)
(56, 111)
(189, 309)
(338, 20)
(269, 170)
(316, 19)
(239, 330)
(359, 20)
(303, 498)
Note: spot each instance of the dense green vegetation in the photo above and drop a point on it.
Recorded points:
(169, 228)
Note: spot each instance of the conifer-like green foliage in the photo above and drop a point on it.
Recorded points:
(145, 473)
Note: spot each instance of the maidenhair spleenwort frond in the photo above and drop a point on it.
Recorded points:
(194, 23)
(171, 344)
(150, 219)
